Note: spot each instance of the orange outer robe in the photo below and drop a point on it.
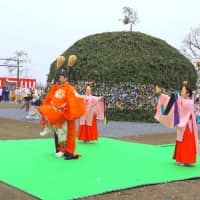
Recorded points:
(60, 105)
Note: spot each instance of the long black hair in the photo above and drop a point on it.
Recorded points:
(170, 104)
(173, 99)
(189, 90)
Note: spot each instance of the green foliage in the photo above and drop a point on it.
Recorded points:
(129, 56)
(115, 57)
(130, 115)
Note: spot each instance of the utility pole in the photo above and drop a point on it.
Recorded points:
(17, 66)
(17, 72)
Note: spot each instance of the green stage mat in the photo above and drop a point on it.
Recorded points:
(106, 165)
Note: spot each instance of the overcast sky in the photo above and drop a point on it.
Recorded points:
(46, 28)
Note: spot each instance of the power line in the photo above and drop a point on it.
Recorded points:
(9, 66)
(11, 59)
(17, 66)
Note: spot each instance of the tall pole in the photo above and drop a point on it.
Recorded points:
(17, 66)
(198, 75)
(17, 84)
(131, 27)
(197, 63)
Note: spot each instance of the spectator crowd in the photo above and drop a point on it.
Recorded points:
(18, 95)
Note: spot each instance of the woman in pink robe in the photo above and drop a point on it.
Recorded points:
(187, 143)
(88, 130)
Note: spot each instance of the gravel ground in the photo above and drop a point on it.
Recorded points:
(112, 129)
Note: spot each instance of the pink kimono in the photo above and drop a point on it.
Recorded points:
(185, 108)
(88, 125)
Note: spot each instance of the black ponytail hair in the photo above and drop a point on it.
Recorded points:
(189, 90)
(170, 104)
(173, 98)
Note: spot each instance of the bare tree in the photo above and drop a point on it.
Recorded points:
(130, 16)
(191, 44)
(191, 49)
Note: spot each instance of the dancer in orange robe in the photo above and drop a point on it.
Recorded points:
(88, 130)
(62, 105)
(187, 143)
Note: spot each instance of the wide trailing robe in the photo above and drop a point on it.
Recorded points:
(94, 106)
(179, 116)
(61, 107)
(88, 130)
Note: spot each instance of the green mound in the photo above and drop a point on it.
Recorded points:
(129, 57)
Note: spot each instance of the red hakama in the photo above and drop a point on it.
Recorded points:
(185, 151)
(88, 133)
